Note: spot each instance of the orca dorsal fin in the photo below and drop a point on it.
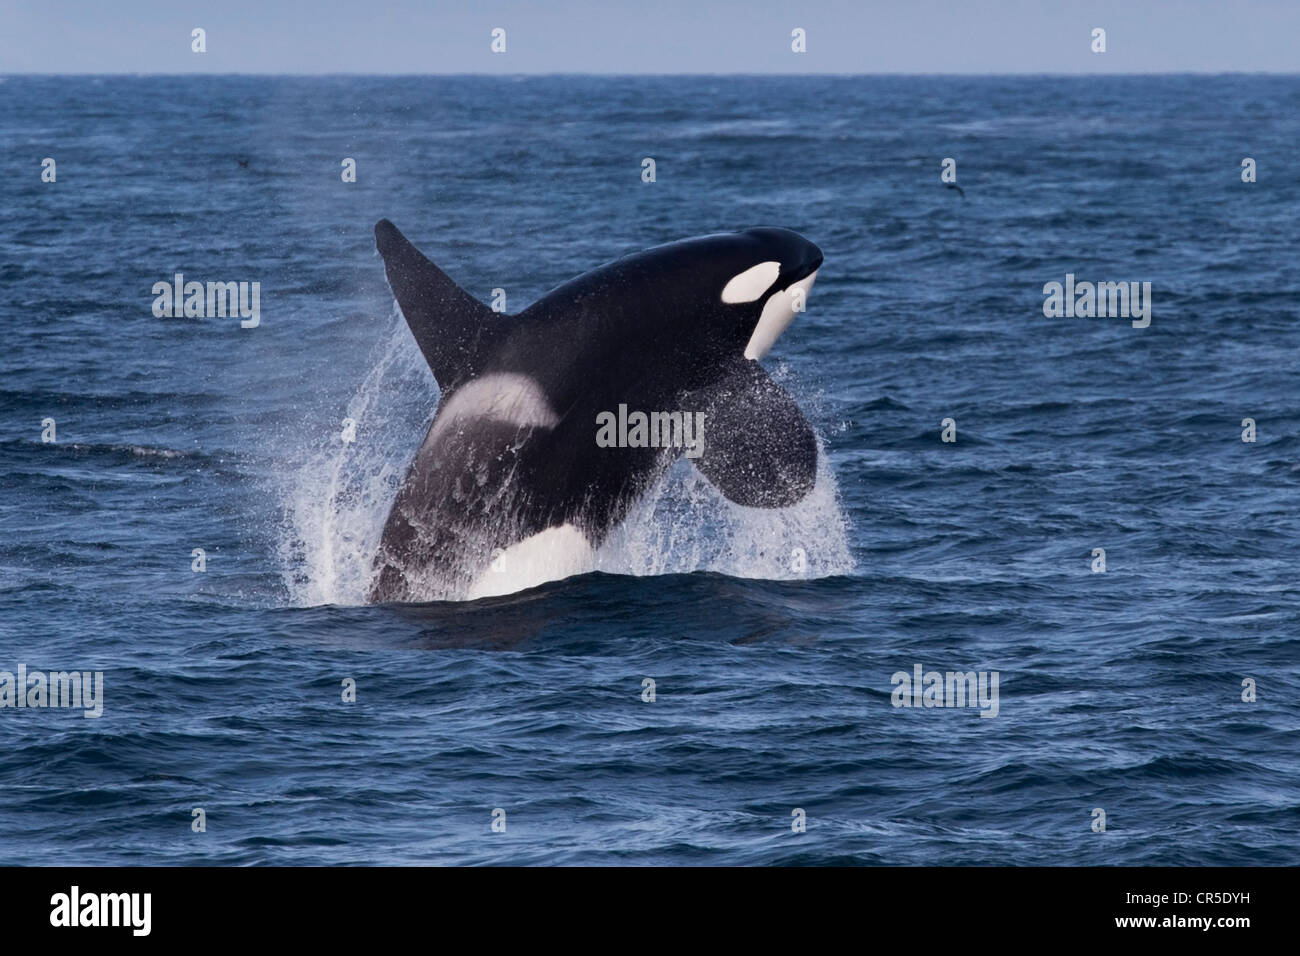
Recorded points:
(451, 327)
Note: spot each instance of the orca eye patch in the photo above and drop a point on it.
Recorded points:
(750, 284)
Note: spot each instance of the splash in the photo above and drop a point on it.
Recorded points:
(685, 524)
(340, 494)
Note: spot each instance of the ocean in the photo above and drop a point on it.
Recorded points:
(180, 510)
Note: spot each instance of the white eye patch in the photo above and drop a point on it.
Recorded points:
(750, 284)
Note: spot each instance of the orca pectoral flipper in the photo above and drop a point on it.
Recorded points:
(452, 328)
(759, 450)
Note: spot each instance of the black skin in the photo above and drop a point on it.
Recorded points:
(649, 331)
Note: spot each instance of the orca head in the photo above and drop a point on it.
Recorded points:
(777, 267)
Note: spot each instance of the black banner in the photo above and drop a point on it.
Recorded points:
(956, 905)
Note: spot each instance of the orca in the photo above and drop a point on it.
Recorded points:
(511, 477)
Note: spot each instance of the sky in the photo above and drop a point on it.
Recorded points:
(649, 36)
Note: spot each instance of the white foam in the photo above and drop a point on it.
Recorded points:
(338, 494)
(685, 524)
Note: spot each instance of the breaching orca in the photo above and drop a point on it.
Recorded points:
(511, 475)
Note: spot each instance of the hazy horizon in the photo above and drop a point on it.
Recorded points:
(560, 73)
(671, 37)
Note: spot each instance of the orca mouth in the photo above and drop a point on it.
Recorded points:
(805, 262)
(805, 270)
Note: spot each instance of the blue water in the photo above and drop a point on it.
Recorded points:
(1119, 690)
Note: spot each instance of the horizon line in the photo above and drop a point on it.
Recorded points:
(559, 73)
